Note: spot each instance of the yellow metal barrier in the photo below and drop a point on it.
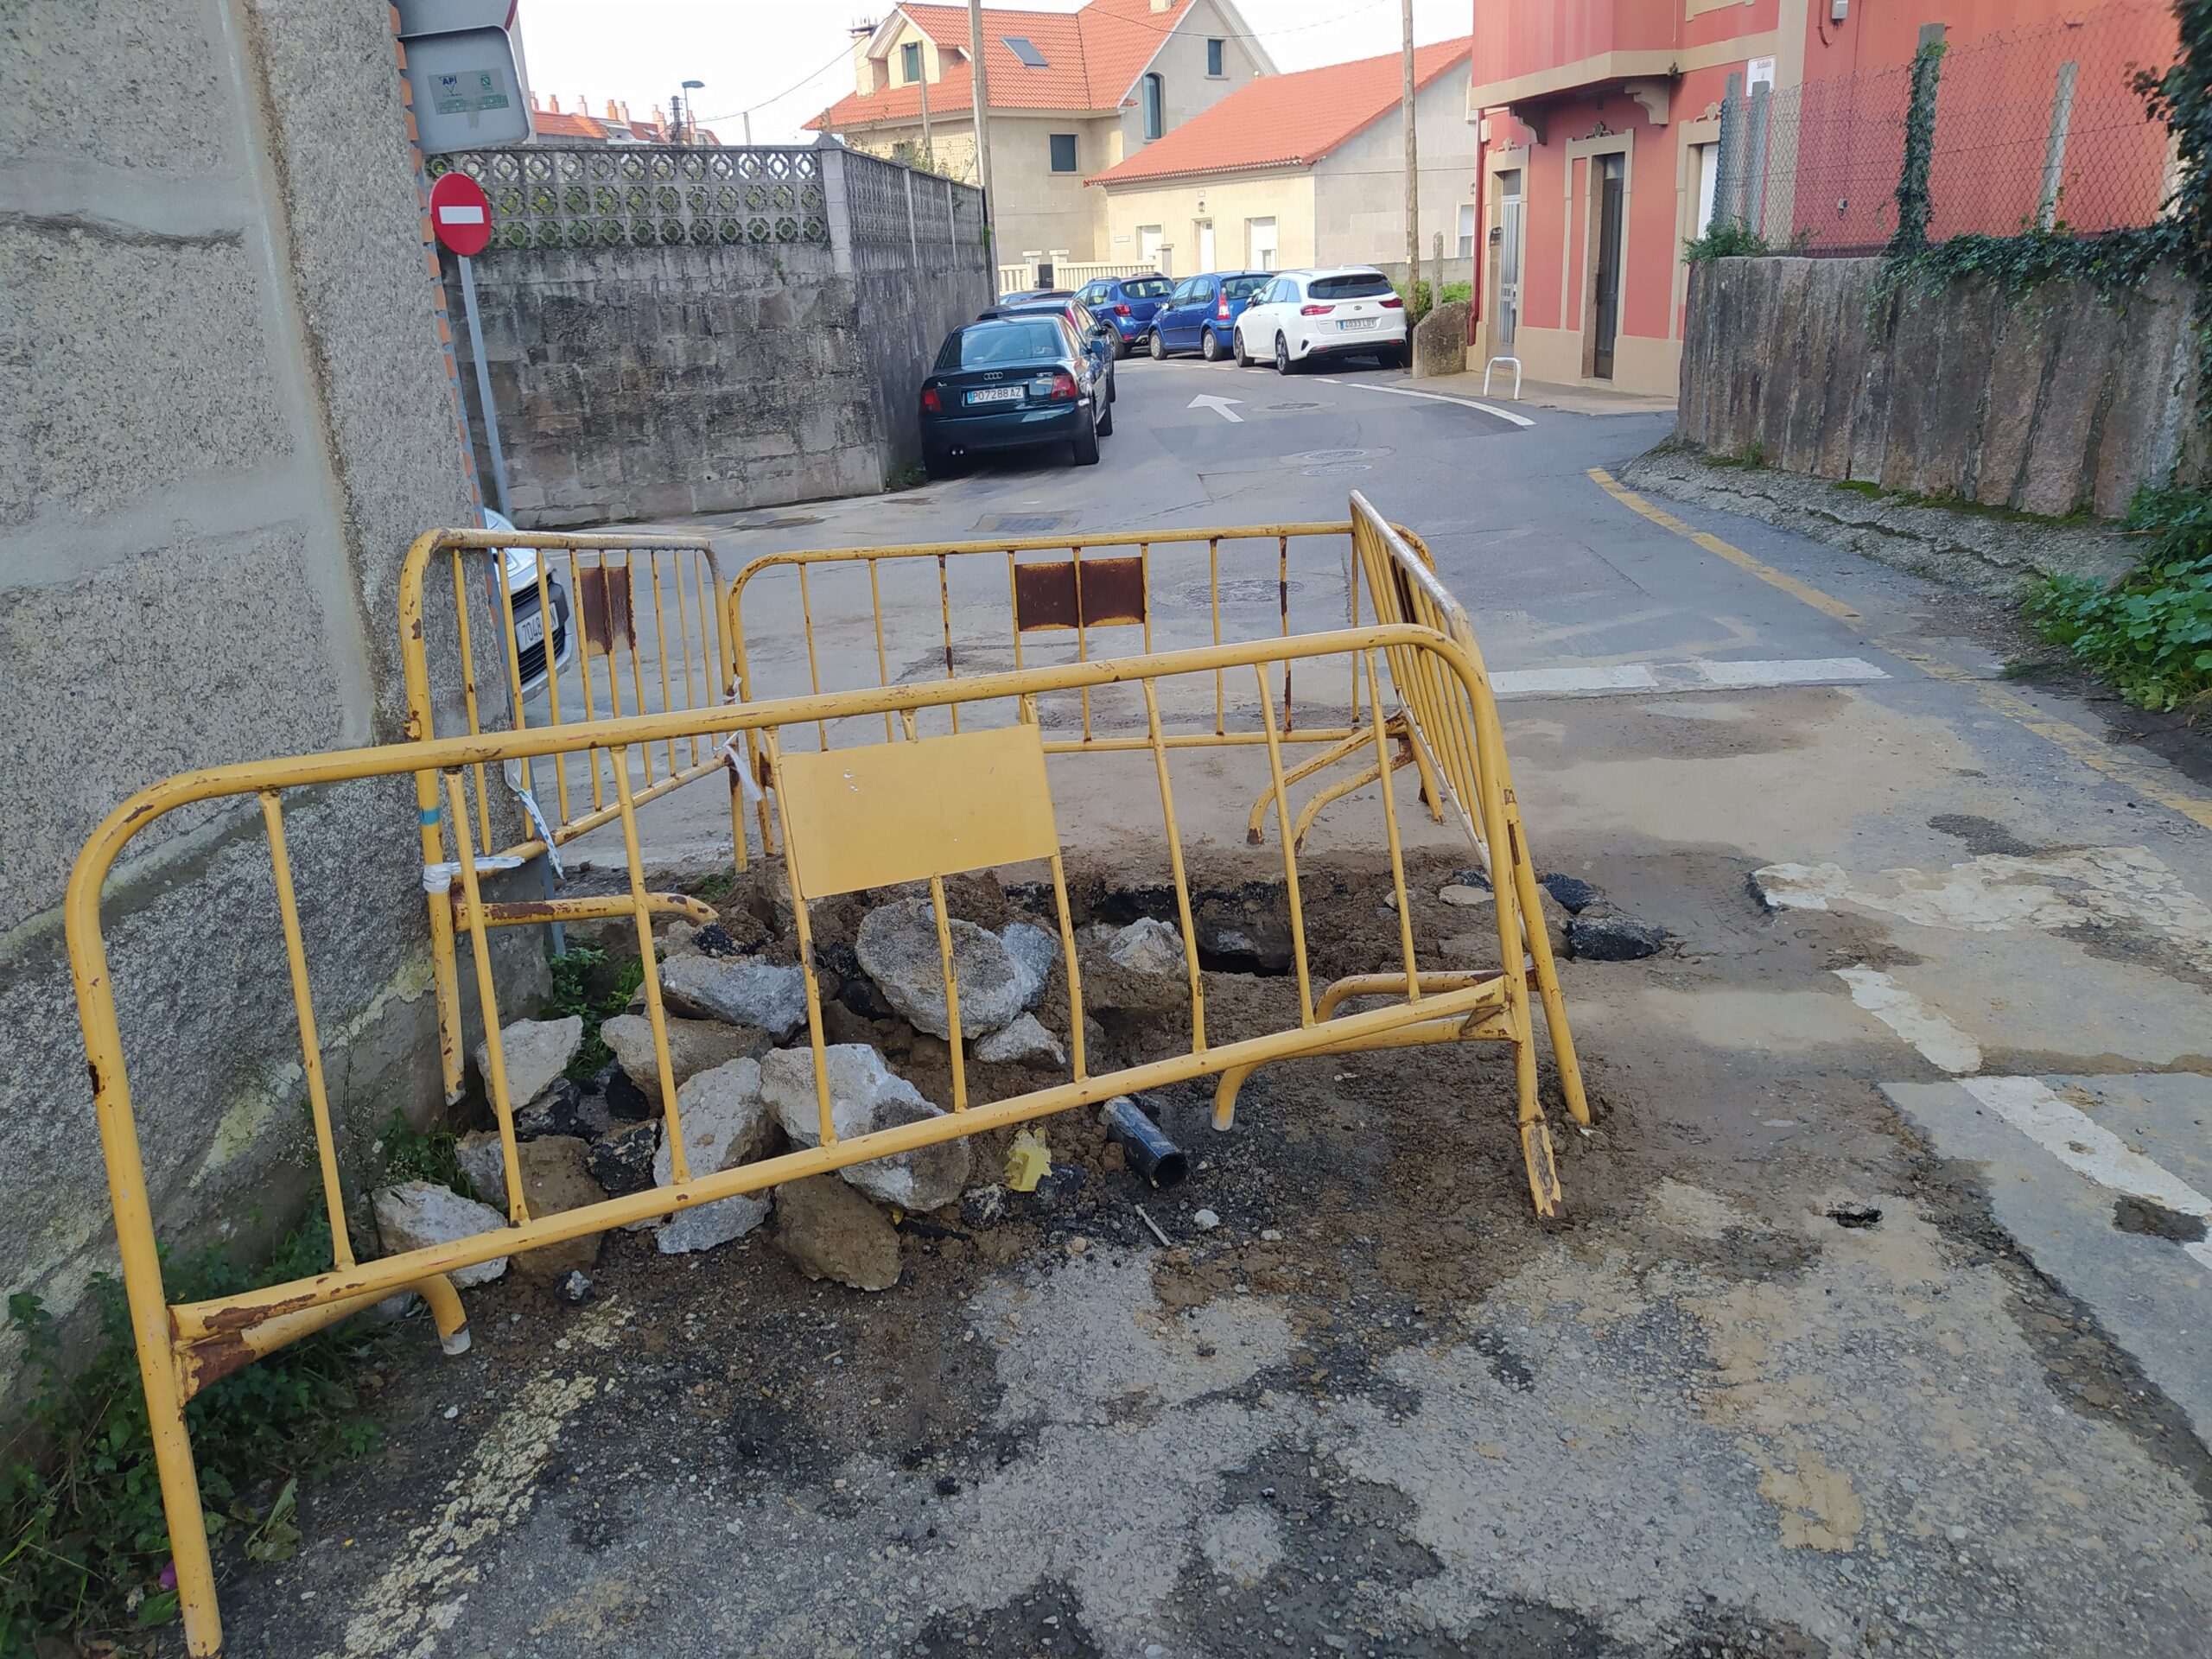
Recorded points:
(912, 808)
(645, 609)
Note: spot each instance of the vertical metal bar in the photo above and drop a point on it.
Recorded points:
(813, 666)
(484, 384)
(553, 677)
(1289, 853)
(1144, 565)
(584, 663)
(1175, 863)
(468, 681)
(637, 665)
(803, 924)
(1390, 820)
(1028, 715)
(655, 1016)
(488, 997)
(1082, 638)
(288, 911)
(1213, 588)
(660, 649)
(944, 605)
(875, 609)
(951, 992)
(1353, 572)
(683, 644)
(1282, 595)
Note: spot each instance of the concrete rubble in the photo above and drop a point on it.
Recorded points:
(1147, 946)
(865, 1094)
(830, 1231)
(536, 1052)
(898, 946)
(416, 1214)
(743, 990)
(725, 1123)
(693, 1045)
(1027, 1038)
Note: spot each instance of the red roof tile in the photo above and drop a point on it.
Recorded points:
(1286, 120)
(1092, 58)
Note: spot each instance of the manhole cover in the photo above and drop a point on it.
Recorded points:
(1239, 590)
(1279, 408)
(1336, 467)
(1027, 524)
(1314, 457)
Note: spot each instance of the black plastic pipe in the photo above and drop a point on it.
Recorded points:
(1146, 1147)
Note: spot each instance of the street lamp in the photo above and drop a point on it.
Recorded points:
(690, 113)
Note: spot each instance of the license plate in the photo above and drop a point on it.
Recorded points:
(997, 395)
(1357, 322)
(529, 631)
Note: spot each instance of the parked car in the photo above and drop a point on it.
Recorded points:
(1098, 340)
(1201, 314)
(1007, 383)
(519, 567)
(1301, 315)
(1126, 304)
(1023, 295)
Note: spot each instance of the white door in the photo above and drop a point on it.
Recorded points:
(1260, 237)
(1511, 221)
(1708, 182)
(1148, 245)
(1205, 244)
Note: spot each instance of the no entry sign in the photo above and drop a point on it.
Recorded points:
(461, 215)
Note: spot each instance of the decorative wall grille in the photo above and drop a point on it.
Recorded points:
(646, 196)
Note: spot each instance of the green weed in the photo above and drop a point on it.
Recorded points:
(84, 1545)
(584, 984)
(2149, 636)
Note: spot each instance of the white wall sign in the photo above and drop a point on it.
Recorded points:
(468, 93)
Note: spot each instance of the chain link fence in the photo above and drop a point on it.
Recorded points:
(2035, 128)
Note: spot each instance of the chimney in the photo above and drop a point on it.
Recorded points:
(553, 104)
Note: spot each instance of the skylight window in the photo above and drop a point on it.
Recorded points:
(1021, 48)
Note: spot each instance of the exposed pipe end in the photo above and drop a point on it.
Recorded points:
(457, 1343)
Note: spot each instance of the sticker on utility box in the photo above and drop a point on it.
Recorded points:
(468, 94)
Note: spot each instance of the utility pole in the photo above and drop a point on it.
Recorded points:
(928, 151)
(747, 118)
(1413, 165)
(981, 86)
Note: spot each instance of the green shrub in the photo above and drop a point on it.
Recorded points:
(2151, 635)
(1732, 238)
(583, 984)
(84, 1545)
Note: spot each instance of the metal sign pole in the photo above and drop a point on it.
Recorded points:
(484, 387)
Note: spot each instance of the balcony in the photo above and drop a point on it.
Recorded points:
(1527, 51)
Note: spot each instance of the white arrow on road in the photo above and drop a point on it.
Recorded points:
(1219, 405)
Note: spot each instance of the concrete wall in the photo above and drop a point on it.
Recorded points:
(1232, 201)
(228, 412)
(641, 383)
(1360, 188)
(2051, 404)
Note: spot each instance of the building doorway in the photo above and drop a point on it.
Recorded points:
(1612, 181)
(1149, 247)
(1260, 243)
(1205, 244)
(1512, 223)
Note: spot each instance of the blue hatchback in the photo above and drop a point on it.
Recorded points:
(1201, 313)
(1127, 305)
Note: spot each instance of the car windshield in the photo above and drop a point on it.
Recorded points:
(1018, 340)
(1356, 285)
(1148, 288)
(1244, 288)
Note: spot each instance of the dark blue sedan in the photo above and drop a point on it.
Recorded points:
(1097, 338)
(1008, 383)
(1201, 314)
(1126, 304)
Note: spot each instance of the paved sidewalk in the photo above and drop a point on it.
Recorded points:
(1542, 394)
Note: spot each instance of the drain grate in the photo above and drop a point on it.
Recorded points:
(1027, 524)
(1315, 457)
(1278, 409)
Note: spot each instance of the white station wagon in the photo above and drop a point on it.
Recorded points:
(1350, 311)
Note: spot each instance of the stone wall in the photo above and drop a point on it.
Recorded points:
(228, 412)
(2053, 403)
(1439, 345)
(713, 362)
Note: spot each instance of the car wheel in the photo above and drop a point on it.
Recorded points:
(1158, 347)
(1122, 347)
(1210, 346)
(1086, 443)
(1396, 357)
(1237, 343)
(935, 464)
(1106, 419)
(1282, 355)
(1113, 386)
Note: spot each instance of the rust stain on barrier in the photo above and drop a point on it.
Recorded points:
(603, 601)
(1080, 593)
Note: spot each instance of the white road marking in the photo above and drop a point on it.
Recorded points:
(1219, 405)
(1533, 682)
(1700, 674)
(1804, 671)
(2086, 1146)
(1942, 1043)
(1440, 398)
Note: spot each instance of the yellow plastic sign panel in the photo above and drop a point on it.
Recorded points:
(885, 813)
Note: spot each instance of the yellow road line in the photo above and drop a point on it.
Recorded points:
(2152, 782)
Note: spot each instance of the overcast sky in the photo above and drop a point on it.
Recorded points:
(784, 62)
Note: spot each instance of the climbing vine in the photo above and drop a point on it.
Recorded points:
(1915, 205)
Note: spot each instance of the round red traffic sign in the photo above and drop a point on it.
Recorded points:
(461, 214)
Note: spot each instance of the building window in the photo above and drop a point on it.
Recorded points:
(1156, 107)
(1064, 152)
(1216, 54)
(910, 62)
(1260, 243)
(1466, 229)
(1708, 157)
(1023, 51)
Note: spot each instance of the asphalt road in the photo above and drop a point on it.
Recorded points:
(1939, 949)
